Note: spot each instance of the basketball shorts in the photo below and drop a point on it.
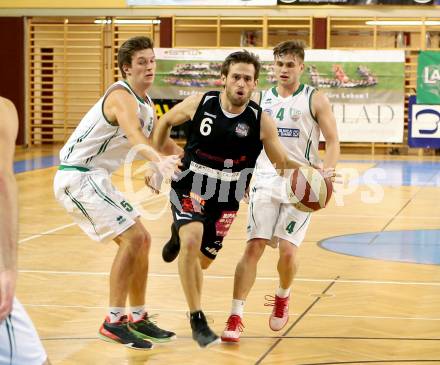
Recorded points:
(215, 216)
(19, 341)
(94, 203)
(271, 217)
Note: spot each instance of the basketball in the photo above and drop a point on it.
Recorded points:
(308, 189)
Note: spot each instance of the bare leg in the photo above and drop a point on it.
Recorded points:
(131, 243)
(190, 271)
(138, 284)
(287, 263)
(246, 270)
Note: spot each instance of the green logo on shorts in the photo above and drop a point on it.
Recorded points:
(121, 219)
(290, 227)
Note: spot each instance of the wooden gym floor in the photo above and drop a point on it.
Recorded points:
(346, 308)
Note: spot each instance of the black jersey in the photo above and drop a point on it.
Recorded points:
(220, 148)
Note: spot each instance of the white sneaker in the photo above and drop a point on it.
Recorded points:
(280, 313)
(233, 329)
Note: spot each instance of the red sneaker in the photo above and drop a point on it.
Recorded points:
(280, 313)
(233, 329)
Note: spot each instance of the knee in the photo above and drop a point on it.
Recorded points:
(190, 244)
(288, 256)
(254, 250)
(141, 240)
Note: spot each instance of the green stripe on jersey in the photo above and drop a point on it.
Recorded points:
(71, 168)
(79, 140)
(103, 146)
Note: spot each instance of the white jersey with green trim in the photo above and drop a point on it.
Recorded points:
(98, 144)
(297, 127)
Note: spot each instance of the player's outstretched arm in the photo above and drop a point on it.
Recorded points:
(179, 114)
(8, 207)
(273, 147)
(323, 112)
(121, 107)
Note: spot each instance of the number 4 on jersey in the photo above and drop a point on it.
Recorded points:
(290, 227)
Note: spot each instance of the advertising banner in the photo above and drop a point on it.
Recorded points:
(423, 124)
(356, 2)
(428, 77)
(365, 88)
(201, 2)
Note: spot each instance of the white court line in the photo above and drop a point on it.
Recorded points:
(46, 232)
(247, 312)
(222, 277)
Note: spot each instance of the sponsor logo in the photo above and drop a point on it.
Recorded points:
(431, 75)
(295, 114)
(121, 219)
(288, 132)
(268, 111)
(197, 198)
(182, 215)
(216, 174)
(212, 251)
(182, 52)
(242, 130)
(210, 115)
(425, 121)
(224, 223)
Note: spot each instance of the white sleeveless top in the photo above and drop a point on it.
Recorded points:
(297, 128)
(96, 143)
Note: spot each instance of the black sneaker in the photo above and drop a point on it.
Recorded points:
(171, 249)
(119, 332)
(147, 330)
(201, 332)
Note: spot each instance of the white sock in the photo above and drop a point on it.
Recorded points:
(115, 313)
(137, 312)
(283, 293)
(238, 307)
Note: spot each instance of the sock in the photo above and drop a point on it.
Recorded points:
(137, 312)
(283, 293)
(238, 307)
(196, 316)
(115, 313)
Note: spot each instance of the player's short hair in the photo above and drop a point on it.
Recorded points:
(293, 47)
(129, 47)
(241, 57)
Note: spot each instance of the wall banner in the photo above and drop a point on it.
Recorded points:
(428, 77)
(423, 124)
(356, 2)
(366, 88)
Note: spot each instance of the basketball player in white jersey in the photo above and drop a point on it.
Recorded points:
(301, 113)
(19, 341)
(124, 117)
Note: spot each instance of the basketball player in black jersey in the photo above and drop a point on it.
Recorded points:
(226, 134)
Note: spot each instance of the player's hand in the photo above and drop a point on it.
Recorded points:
(160, 171)
(330, 172)
(7, 290)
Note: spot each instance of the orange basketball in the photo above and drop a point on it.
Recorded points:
(308, 190)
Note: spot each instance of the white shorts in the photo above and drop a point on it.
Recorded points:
(94, 203)
(271, 216)
(19, 341)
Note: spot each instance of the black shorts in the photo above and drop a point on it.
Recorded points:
(216, 217)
